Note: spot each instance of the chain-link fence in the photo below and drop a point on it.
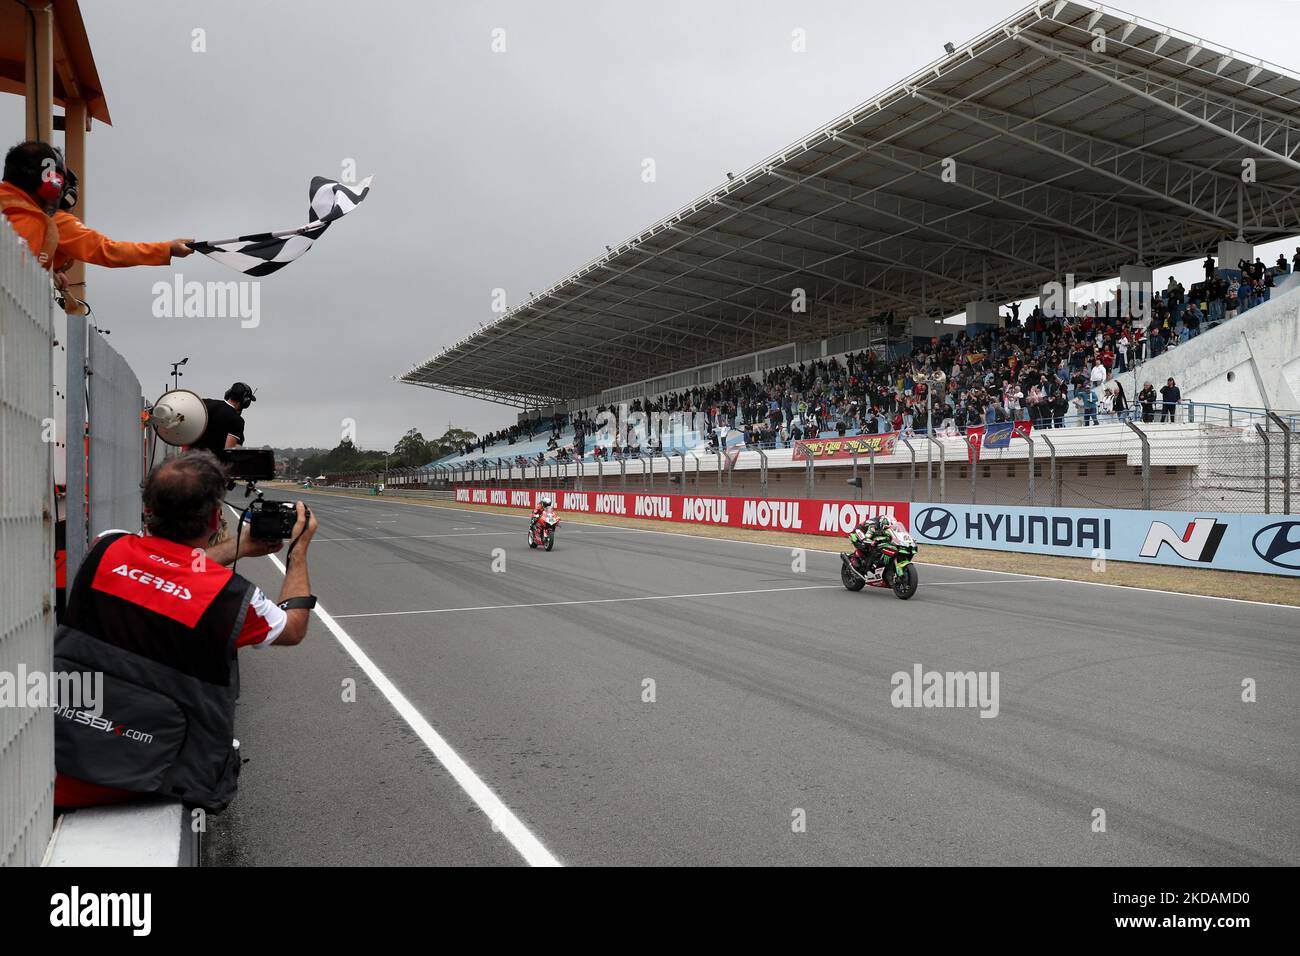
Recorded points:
(26, 547)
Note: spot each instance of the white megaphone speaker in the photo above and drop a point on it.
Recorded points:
(179, 417)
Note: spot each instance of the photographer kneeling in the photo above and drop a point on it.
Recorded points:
(161, 616)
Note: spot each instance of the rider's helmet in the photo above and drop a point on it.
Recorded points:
(545, 501)
(881, 524)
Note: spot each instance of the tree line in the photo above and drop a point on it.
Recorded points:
(411, 451)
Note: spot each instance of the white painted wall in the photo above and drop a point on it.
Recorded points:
(1252, 360)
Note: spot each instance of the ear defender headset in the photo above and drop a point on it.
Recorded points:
(43, 176)
(243, 394)
(69, 199)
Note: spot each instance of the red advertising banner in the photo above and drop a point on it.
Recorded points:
(828, 448)
(796, 515)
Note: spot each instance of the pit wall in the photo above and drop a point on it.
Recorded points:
(1263, 544)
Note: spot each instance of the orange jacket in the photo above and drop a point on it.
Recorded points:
(79, 243)
(30, 222)
(72, 240)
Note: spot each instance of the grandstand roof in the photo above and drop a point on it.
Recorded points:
(75, 75)
(1066, 156)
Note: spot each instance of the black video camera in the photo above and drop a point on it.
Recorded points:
(267, 520)
(248, 464)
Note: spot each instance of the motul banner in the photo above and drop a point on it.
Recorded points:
(797, 515)
(828, 448)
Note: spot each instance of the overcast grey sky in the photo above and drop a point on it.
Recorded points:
(491, 170)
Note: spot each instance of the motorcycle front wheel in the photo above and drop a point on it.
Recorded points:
(850, 580)
(550, 540)
(905, 582)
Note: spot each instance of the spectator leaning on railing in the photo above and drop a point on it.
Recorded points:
(162, 618)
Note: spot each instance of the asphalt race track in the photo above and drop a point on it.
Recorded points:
(772, 708)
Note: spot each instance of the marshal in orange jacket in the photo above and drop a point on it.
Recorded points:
(70, 240)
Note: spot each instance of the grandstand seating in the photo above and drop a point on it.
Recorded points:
(831, 392)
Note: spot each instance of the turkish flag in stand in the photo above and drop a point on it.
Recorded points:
(974, 439)
(1022, 428)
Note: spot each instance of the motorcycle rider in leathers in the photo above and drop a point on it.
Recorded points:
(543, 503)
(867, 539)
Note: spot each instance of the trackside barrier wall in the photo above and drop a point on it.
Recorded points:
(798, 515)
(1265, 544)
(26, 547)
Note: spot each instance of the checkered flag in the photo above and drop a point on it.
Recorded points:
(261, 254)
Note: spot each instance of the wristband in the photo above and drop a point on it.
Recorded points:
(295, 603)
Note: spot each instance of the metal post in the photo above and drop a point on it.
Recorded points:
(873, 474)
(697, 469)
(1146, 465)
(600, 474)
(857, 489)
(974, 467)
(622, 473)
(1286, 462)
(808, 477)
(762, 473)
(911, 488)
(1051, 476)
(77, 468)
(1268, 470)
(929, 460)
(1031, 468)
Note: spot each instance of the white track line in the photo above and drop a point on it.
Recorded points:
(959, 567)
(648, 597)
(503, 819)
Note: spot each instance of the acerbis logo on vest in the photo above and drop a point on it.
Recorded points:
(159, 583)
(76, 909)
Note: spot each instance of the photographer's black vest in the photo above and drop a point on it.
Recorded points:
(164, 636)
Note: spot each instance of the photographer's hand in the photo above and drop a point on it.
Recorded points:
(296, 583)
(304, 529)
(227, 551)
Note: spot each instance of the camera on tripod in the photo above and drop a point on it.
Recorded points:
(267, 520)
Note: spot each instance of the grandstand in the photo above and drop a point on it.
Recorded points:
(1069, 143)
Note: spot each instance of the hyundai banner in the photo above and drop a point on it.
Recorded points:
(1266, 544)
